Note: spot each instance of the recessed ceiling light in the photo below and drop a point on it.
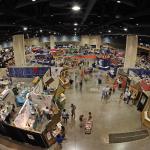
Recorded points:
(109, 31)
(118, 1)
(75, 24)
(98, 16)
(25, 28)
(117, 16)
(131, 18)
(41, 30)
(52, 15)
(33, 0)
(125, 29)
(75, 29)
(137, 24)
(76, 8)
(54, 33)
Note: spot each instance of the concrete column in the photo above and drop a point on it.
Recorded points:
(96, 40)
(19, 50)
(34, 41)
(131, 51)
(85, 40)
(52, 41)
(27, 42)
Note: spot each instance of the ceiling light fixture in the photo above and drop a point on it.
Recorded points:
(75, 29)
(25, 28)
(33, 0)
(109, 31)
(75, 24)
(131, 18)
(76, 8)
(125, 29)
(137, 24)
(41, 30)
(118, 1)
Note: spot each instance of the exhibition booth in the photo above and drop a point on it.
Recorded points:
(138, 83)
(34, 115)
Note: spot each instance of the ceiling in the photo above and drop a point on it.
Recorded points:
(57, 17)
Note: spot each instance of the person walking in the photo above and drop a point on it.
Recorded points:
(81, 119)
(99, 81)
(103, 93)
(90, 116)
(73, 108)
(80, 83)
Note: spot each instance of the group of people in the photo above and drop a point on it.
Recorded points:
(83, 120)
(106, 92)
(65, 114)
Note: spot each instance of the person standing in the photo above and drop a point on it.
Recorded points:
(90, 116)
(73, 108)
(126, 95)
(129, 97)
(59, 139)
(65, 116)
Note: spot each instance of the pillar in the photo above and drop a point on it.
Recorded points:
(34, 41)
(52, 41)
(131, 51)
(19, 50)
(96, 40)
(85, 40)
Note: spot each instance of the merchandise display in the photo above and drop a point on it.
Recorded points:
(74, 74)
(6, 57)
(37, 111)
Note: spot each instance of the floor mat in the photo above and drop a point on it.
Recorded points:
(127, 137)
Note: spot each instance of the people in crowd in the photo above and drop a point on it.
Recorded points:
(103, 93)
(81, 119)
(73, 109)
(59, 139)
(90, 116)
(80, 84)
(65, 116)
(119, 81)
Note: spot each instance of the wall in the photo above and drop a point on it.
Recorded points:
(6, 44)
(115, 41)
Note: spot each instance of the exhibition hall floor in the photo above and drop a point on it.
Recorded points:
(115, 116)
